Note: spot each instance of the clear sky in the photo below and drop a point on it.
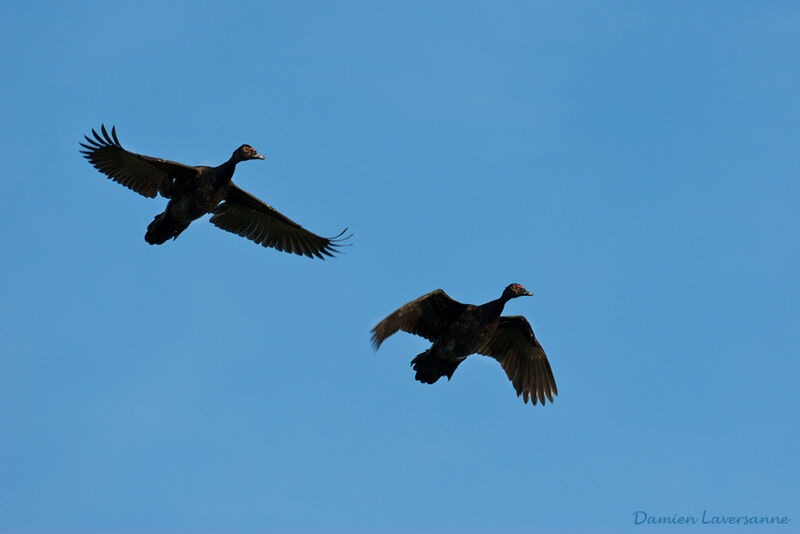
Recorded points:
(634, 164)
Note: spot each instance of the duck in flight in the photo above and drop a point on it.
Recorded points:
(195, 191)
(458, 330)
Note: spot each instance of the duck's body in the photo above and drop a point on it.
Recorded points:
(194, 191)
(469, 331)
(190, 200)
(458, 330)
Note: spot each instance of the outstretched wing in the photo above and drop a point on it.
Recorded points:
(245, 215)
(515, 346)
(427, 316)
(143, 174)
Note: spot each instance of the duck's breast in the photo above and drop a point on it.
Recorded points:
(468, 334)
(199, 196)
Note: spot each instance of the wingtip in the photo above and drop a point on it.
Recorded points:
(375, 339)
(332, 248)
(102, 138)
(338, 240)
(537, 397)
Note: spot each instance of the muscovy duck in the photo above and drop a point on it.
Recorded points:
(458, 330)
(195, 191)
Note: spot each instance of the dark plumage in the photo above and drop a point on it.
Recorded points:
(458, 330)
(195, 191)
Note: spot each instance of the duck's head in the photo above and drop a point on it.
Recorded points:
(245, 152)
(513, 291)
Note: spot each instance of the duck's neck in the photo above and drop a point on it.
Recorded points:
(224, 172)
(496, 306)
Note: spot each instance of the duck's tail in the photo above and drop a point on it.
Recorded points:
(163, 228)
(430, 367)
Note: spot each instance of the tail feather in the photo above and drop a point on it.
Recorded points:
(431, 368)
(163, 228)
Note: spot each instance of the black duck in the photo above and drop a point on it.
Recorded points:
(458, 330)
(195, 191)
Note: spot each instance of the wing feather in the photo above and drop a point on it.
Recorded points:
(143, 174)
(426, 316)
(243, 214)
(515, 346)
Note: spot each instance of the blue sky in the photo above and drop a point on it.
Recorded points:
(633, 164)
